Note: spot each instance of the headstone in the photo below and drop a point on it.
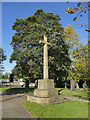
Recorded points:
(65, 84)
(72, 85)
(77, 86)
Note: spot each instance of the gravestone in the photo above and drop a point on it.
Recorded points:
(77, 86)
(72, 85)
(45, 92)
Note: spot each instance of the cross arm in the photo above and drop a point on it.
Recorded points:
(49, 44)
(42, 42)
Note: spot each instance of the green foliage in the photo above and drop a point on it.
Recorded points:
(28, 53)
(78, 54)
(81, 61)
(70, 109)
(5, 76)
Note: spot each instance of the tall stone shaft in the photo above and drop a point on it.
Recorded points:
(45, 70)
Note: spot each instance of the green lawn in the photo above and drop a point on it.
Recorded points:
(17, 90)
(16, 83)
(4, 89)
(66, 92)
(70, 109)
(80, 93)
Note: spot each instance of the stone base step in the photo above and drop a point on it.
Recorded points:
(46, 101)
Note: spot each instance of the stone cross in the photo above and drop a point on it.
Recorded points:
(45, 67)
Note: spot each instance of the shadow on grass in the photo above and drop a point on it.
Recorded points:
(18, 90)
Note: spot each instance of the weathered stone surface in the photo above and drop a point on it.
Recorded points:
(45, 83)
(72, 85)
(45, 92)
(45, 100)
(45, 65)
(45, 88)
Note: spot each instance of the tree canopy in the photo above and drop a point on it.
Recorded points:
(28, 53)
(79, 55)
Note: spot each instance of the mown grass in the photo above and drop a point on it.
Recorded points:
(70, 109)
(16, 83)
(4, 89)
(79, 94)
(66, 92)
(17, 90)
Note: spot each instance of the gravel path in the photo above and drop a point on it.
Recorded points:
(12, 106)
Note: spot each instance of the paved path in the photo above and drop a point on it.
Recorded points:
(12, 106)
(77, 99)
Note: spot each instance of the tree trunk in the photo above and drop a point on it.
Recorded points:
(72, 82)
(27, 84)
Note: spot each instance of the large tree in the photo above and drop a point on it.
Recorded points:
(73, 41)
(81, 62)
(78, 54)
(28, 53)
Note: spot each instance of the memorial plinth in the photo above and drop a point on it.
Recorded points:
(46, 92)
(45, 88)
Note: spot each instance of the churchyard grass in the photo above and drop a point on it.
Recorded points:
(16, 83)
(69, 109)
(4, 89)
(80, 93)
(21, 90)
(66, 92)
(17, 90)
